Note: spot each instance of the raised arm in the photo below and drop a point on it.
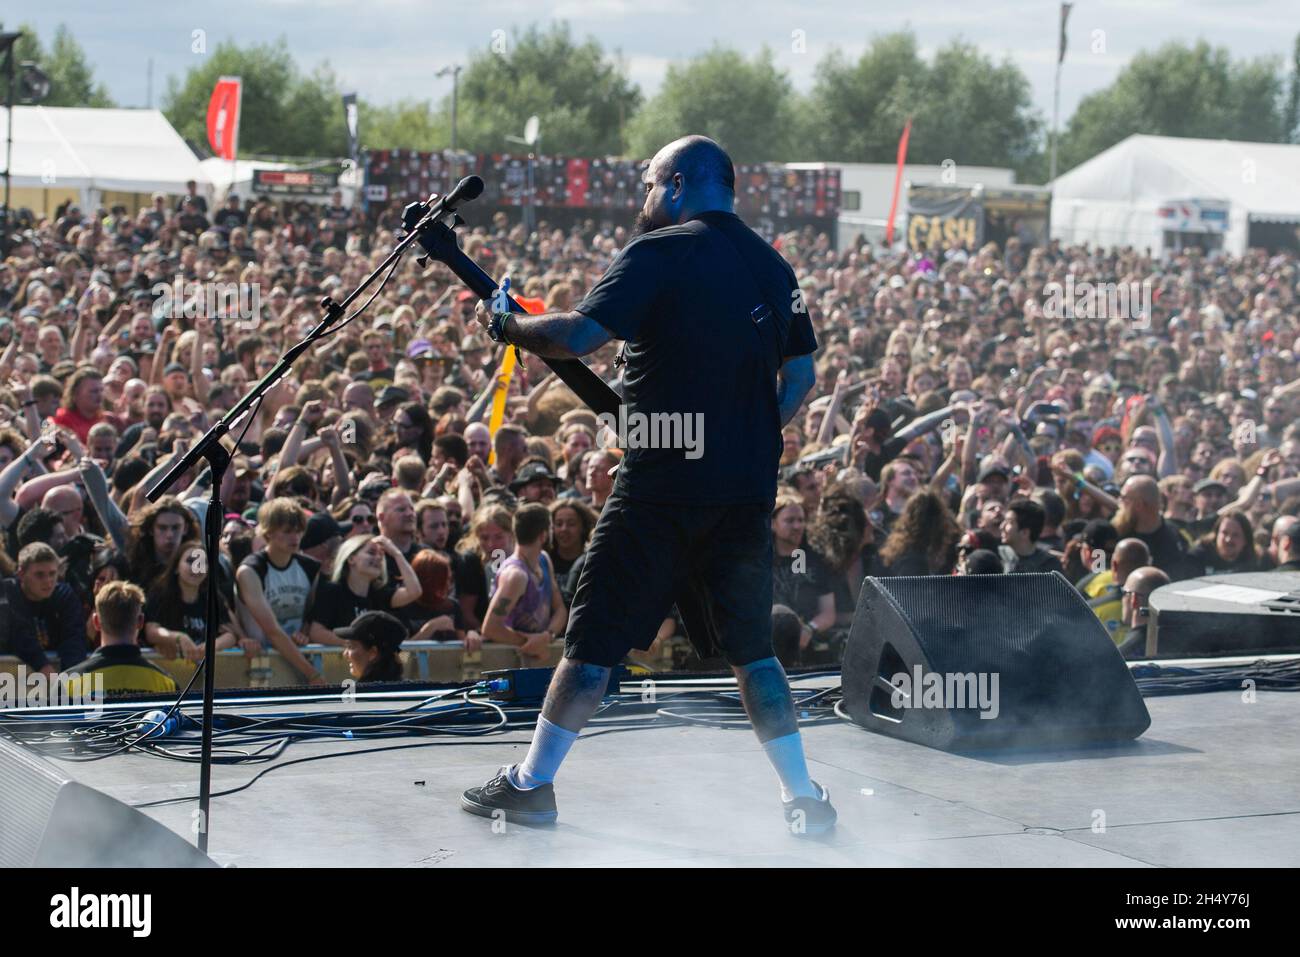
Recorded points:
(202, 330)
(410, 589)
(30, 493)
(96, 484)
(329, 437)
(13, 474)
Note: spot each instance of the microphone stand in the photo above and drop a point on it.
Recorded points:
(211, 448)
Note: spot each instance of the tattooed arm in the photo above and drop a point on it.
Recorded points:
(510, 588)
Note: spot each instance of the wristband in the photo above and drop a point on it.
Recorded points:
(497, 327)
(1079, 480)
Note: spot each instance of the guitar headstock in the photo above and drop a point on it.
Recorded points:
(434, 235)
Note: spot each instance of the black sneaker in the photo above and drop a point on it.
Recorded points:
(532, 807)
(808, 816)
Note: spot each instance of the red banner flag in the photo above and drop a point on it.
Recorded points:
(898, 181)
(223, 117)
(578, 176)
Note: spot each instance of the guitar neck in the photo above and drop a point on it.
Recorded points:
(440, 243)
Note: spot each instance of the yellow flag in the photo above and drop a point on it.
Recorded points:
(504, 376)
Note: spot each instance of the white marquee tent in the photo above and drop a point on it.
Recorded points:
(1163, 192)
(95, 156)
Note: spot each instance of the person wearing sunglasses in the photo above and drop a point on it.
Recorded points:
(355, 516)
(1137, 610)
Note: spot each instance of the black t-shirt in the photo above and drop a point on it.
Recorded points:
(229, 218)
(192, 222)
(471, 580)
(701, 372)
(873, 462)
(1167, 551)
(418, 614)
(800, 580)
(190, 617)
(337, 606)
(1205, 560)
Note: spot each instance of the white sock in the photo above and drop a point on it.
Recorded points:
(550, 744)
(786, 755)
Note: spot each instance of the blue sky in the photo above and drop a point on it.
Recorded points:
(390, 49)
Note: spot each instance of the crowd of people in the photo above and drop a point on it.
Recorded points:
(386, 491)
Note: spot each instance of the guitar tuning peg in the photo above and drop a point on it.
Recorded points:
(422, 262)
(456, 220)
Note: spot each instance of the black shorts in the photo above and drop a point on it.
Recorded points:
(713, 561)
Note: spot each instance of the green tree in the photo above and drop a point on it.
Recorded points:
(1177, 90)
(580, 95)
(72, 81)
(283, 111)
(748, 106)
(406, 124)
(964, 106)
(1291, 118)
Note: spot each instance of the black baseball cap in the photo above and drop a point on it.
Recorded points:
(531, 472)
(321, 527)
(376, 629)
(391, 394)
(879, 420)
(992, 469)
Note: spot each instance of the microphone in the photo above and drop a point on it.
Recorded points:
(467, 190)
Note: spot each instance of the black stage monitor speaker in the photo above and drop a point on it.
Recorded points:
(986, 661)
(48, 820)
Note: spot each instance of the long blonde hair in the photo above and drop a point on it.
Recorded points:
(350, 547)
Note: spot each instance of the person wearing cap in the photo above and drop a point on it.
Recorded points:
(1210, 495)
(1108, 442)
(371, 647)
(322, 538)
(535, 482)
(995, 479)
(387, 401)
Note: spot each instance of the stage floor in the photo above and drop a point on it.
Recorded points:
(1214, 782)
